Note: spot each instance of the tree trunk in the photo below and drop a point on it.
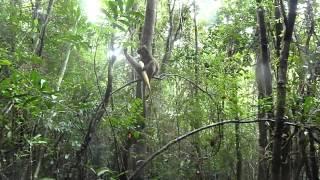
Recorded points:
(169, 40)
(149, 25)
(264, 83)
(281, 92)
(278, 27)
(238, 152)
(138, 146)
(40, 41)
(313, 158)
(93, 124)
(65, 62)
(286, 160)
(173, 32)
(197, 123)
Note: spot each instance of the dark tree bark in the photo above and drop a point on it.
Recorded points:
(137, 145)
(262, 166)
(313, 158)
(173, 32)
(281, 92)
(238, 152)
(314, 168)
(278, 29)
(94, 122)
(40, 41)
(286, 160)
(149, 25)
(264, 82)
(194, 91)
(196, 46)
(36, 16)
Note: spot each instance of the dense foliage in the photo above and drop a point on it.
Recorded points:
(71, 105)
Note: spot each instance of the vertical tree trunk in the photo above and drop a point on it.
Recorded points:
(149, 25)
(93, 124)
(35, 16)
(40, 41)
(138, 146)
(65, 62)
(169, 41)
(286, 160)
(278, 27)
(313, 158)
(238, 152)
(196, 46)
(281, 92)
(171, 38)
(264, 82)
(262, 164)
(197, 124)
(312, 149)
(305, 160)
(301, 159)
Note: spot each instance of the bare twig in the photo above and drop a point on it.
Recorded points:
(162, 76)
(129, 83)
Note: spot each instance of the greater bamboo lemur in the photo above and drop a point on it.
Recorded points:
(147, 71)
(152, 66)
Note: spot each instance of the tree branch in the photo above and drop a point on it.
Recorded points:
(174, 141)
(162, 76)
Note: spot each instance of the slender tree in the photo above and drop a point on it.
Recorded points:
(173, 33)
(66, 60)
(281, 92)
(196, 123)
(38, 47)
(264, 82)
(146, 40)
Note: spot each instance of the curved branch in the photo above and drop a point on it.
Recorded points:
(174, 141)
(161, 77)
(129, 83)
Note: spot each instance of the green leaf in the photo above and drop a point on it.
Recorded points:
(119, 26)
(114, 8)
(5, 62)
(35, 77)
(120, 4)
(125, 22)
(42, 81)
(136, 134)
(30, 100)
(308, 104)
(137, 14)
(103, 171)
(129, 4)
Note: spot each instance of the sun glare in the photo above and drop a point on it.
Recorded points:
(92, 10)
(208, 9)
